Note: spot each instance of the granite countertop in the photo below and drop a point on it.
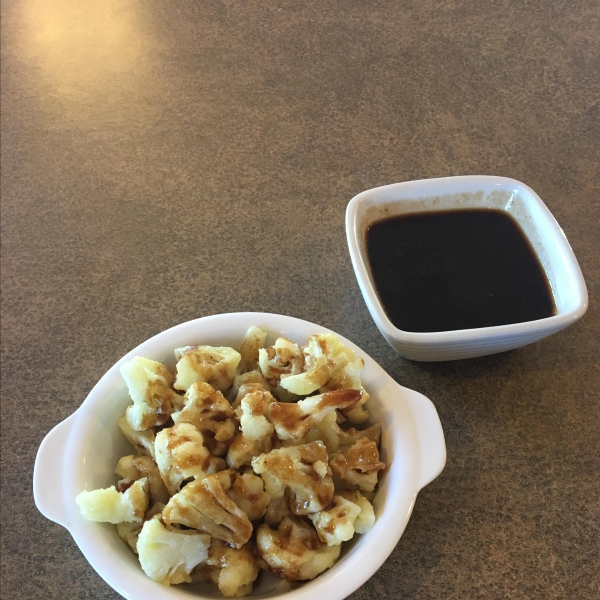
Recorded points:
(163, 161)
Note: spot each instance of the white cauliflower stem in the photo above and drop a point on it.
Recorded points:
(253, 340)
(168, 555)
(142, 441)
(149, 385)
(113, 506)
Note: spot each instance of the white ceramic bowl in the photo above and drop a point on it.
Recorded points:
(513, 197)
(80, 454)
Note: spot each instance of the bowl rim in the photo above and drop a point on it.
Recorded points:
(409, 409)
(390, 331)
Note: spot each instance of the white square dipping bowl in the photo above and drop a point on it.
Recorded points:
(467, 192)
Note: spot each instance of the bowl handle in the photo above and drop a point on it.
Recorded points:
(430, 437)
(47, 473)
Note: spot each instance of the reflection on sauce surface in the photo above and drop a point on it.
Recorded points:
(460, 269)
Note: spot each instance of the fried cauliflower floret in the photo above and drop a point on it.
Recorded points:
(137, 467)
(334, 437)
(142, 441)
(216, 464)
(294, 551)
(168, 555)
(249, 378)
(336, 524)
(234, 571)
(208, 364)
(304, 470)
(366, 517)
(204, 505)
(129, 532)
(242, 450)
(359, 465)
(324, 361)
(149, 384)
(294, 420)
(254, 339)
(111, 505)
(284, 357)
(247, 491)
(180, 455)
(358, 414)
(277, 510)
(349, 437)
(253, 413)
(346, 376)
(209, 411)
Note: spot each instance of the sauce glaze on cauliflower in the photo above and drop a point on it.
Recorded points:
(248, 459)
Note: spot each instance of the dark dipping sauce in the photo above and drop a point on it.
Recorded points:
(457, 269)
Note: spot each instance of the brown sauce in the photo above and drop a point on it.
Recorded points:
(457, 269)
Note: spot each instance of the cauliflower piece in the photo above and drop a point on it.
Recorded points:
(149, 384)
(293, 421)
(334, 437)
(366, 516)
(168, 555)
(253, 413)
(358, 414)
(249, 378)
(359, 465)
(208, 410)
(324, 361)
(254, 339)
(216, 464)
(277, 510)
(204, 505)
(142, 441)
(248, 493)
(304, 470)
(234, 571)
(138, 467)
(208, 364)
(336, 524)
(349, 437)
(242, 450)
(346, 377)
(294, 551)
(283, 358)
(283, 395)
(128, 502)
(309, 381)
(129, 532)
(180, 455)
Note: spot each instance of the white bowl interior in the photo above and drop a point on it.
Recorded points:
(94, 444)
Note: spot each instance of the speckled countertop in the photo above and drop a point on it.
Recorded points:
(163, 161)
